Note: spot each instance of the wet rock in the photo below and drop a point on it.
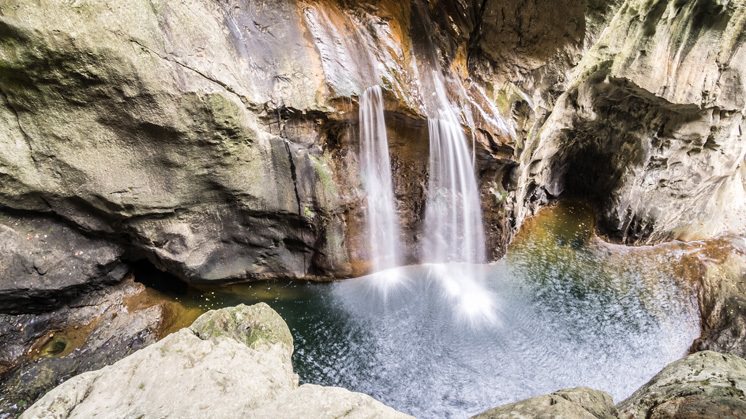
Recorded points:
(40, 350)
(705, 384)
(578, 402)
(234, 162)
(44, 263)
(207, 163)
(208, 371)
(238, 161)
(722, 297)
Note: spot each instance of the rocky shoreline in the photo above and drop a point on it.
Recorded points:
(107, 325)
(235, 362)
(231, 363)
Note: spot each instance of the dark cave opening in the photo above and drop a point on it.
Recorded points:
(590, 174)
(593, 170)
(149, 275)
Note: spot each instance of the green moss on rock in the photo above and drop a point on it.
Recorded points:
(254, 326)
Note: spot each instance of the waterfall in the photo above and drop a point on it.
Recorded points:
(453, 213)
(453, 218)
(382, 220)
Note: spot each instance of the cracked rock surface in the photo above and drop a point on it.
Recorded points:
(44, 264)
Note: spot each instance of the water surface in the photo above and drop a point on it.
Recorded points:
(561, 310)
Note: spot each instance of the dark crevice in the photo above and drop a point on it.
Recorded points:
(475, 36)
(149, 275)
(293, 175)
(293, 170)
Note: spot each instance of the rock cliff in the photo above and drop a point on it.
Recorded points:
(651, 125)
(218, 140)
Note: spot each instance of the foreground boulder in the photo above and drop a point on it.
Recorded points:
(39, 351)
(705, 384)
(234, 362)
(578, 402)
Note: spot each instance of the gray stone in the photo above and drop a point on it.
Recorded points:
(705, 384)
(38, 351)
(235, 161)
(722, 297)
(44, 264)
(650, 126)
(236, 372)
(254, 326)
(578, 402)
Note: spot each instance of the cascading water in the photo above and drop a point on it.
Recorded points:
(382, 221)
(453, 217)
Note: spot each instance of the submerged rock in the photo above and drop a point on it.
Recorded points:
(578, 402)
(253, 326)
(233, 362)
(705, 384)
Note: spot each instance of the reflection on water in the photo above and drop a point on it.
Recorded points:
(563, 310)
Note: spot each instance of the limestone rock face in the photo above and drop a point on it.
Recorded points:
(571, 403)
(150, 123)
(652, 124)
(219, 140)
(240, 371)
(705, 384)
(44, 264)
(216, 140)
